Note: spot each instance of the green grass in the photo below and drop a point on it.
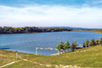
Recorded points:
(6, 57)
(86, 57)
(25, 64)
(98, 31)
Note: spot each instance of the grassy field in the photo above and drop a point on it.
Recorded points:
(86, 57)
(98, 31)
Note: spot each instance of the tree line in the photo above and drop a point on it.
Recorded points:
(73, 46)
(92, 42)
(10, 30)
(64, 46)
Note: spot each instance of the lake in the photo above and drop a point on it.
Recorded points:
(28, 42)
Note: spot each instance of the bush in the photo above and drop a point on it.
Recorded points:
(84, 45)
(92, 42)
(73, 46)
(87, 43)
(61, 46)
(67, 44)
(101, 41)
(97, 42)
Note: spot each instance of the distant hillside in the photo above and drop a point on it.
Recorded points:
(11, 30)
(65, 27)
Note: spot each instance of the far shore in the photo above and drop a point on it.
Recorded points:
(42, 32)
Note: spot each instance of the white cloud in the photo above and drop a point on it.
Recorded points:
(46, 15)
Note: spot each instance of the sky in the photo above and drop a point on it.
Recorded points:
(45, 13)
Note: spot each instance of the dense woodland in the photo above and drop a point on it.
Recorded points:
(11, 30)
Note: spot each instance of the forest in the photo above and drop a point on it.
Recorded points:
(11, 30)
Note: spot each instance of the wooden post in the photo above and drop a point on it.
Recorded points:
(16, 55)
(58, 52)
(36, 51)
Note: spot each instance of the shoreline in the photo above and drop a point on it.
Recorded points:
(56, 54)
(32, 53)
(42, 32)
(28, 52)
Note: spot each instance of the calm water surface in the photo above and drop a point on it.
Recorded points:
(28, 42)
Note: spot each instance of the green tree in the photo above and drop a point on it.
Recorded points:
(1, 30)
(101, 41)
(84, 45)
(97, 42)
(92, 42)
(61, 46)
(67, 45)
(73, 46)
(87, 43)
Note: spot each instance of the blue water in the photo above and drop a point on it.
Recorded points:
(28, 42)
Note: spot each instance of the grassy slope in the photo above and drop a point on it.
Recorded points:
(25, 64)
(6, 57)
(86, 57)
(98, 31)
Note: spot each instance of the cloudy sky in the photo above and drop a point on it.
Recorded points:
(73, 13)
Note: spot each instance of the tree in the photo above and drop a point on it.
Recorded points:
(10, 30)
(97, 42)
(101, 41)
(92, 42)
(73, 46)
(84, 45)
(61, 46)
(87, 43)
(67, 45)
(1, 30)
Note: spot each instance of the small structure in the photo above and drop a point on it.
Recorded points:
(16, 55)
(45, 49)
(78, 47)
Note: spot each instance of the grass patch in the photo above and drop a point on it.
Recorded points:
(25, 64)
(6, 57)
(86, 57)
(97, 31)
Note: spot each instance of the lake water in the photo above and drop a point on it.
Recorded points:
(28, 42)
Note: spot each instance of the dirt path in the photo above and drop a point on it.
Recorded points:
(49, 65)
(7, 64)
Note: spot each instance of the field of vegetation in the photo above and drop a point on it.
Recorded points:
(98, 30)
(86, 57)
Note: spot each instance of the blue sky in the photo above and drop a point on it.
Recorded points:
(75, 13)
(20, 3)
(51, 2)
